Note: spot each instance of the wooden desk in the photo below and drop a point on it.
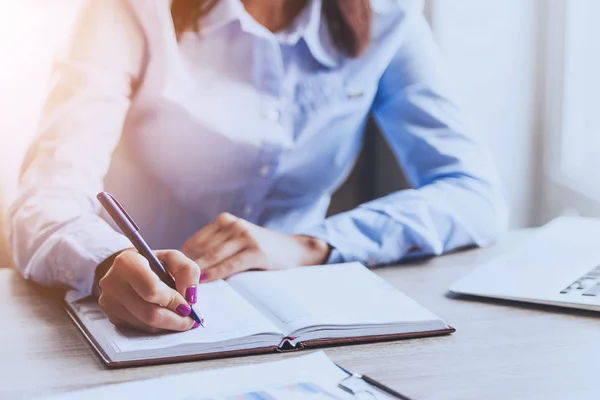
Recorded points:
(501, 350)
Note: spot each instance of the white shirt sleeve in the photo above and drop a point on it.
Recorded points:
(55, 232)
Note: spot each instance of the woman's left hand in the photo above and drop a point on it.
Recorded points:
(229, 245)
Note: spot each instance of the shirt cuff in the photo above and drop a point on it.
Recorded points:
(362, 235)
(335, 257)
(69, 259)
(340, 252)
(85, 283)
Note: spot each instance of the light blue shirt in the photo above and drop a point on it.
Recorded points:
(238, 119)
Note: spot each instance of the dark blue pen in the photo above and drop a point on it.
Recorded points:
(131, 230)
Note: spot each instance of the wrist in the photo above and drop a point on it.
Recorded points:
(316, 250)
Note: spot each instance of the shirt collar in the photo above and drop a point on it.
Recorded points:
(309, 26)
(224, 12)
(316, 35)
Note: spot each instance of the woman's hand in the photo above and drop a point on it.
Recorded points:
(133, 295)
(229, 245)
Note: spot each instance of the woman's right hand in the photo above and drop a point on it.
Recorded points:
(132, 295)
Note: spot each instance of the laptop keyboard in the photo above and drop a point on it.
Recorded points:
(587, 285)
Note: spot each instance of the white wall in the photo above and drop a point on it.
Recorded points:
(492, 51)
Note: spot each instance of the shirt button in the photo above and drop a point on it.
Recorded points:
(272, 115)
(264, 170)
(247, 210)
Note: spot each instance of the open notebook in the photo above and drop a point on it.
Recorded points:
(259, 312)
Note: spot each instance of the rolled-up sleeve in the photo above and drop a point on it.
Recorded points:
(55, 231)
(456, 199)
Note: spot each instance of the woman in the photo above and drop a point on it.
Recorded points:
(224, 126)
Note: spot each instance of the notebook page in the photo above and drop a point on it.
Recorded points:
(341, 295)
(226, 316)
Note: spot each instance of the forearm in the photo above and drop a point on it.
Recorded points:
(448, 214)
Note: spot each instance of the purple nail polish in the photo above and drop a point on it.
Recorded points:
(195, 325)
(184, 310)
(202, 277)
(190, 295)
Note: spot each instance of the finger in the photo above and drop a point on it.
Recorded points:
(221, 222)
(237, 228)
(219, 253)
(134, 269)
(215, 232)
(155, 316)
(121, 317)
(185, 272)
(190, 247)
(131, 267)
(217, 238)
(242, 261)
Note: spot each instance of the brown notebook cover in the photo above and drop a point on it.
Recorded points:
(259, 350)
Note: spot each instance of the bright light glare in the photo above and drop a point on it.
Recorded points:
(30, 33)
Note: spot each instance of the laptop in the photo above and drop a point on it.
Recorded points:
(559, 265)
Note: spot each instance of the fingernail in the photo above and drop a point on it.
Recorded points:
(190, 295)
(184, 310)
(195, 325)
(202, 277)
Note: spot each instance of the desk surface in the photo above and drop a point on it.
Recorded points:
(501, 350)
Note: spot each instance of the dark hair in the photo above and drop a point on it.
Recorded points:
(348, 21)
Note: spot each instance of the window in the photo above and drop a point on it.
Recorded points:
(575, 161)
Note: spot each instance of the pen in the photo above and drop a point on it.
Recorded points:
(372, 382)
(131, 230)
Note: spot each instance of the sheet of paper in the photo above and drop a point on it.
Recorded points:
(309, 377)
(343, 294)
(226, 314)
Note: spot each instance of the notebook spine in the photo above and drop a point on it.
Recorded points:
(287, 345)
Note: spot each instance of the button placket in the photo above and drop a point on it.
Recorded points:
(268, 77)
(266, 163)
